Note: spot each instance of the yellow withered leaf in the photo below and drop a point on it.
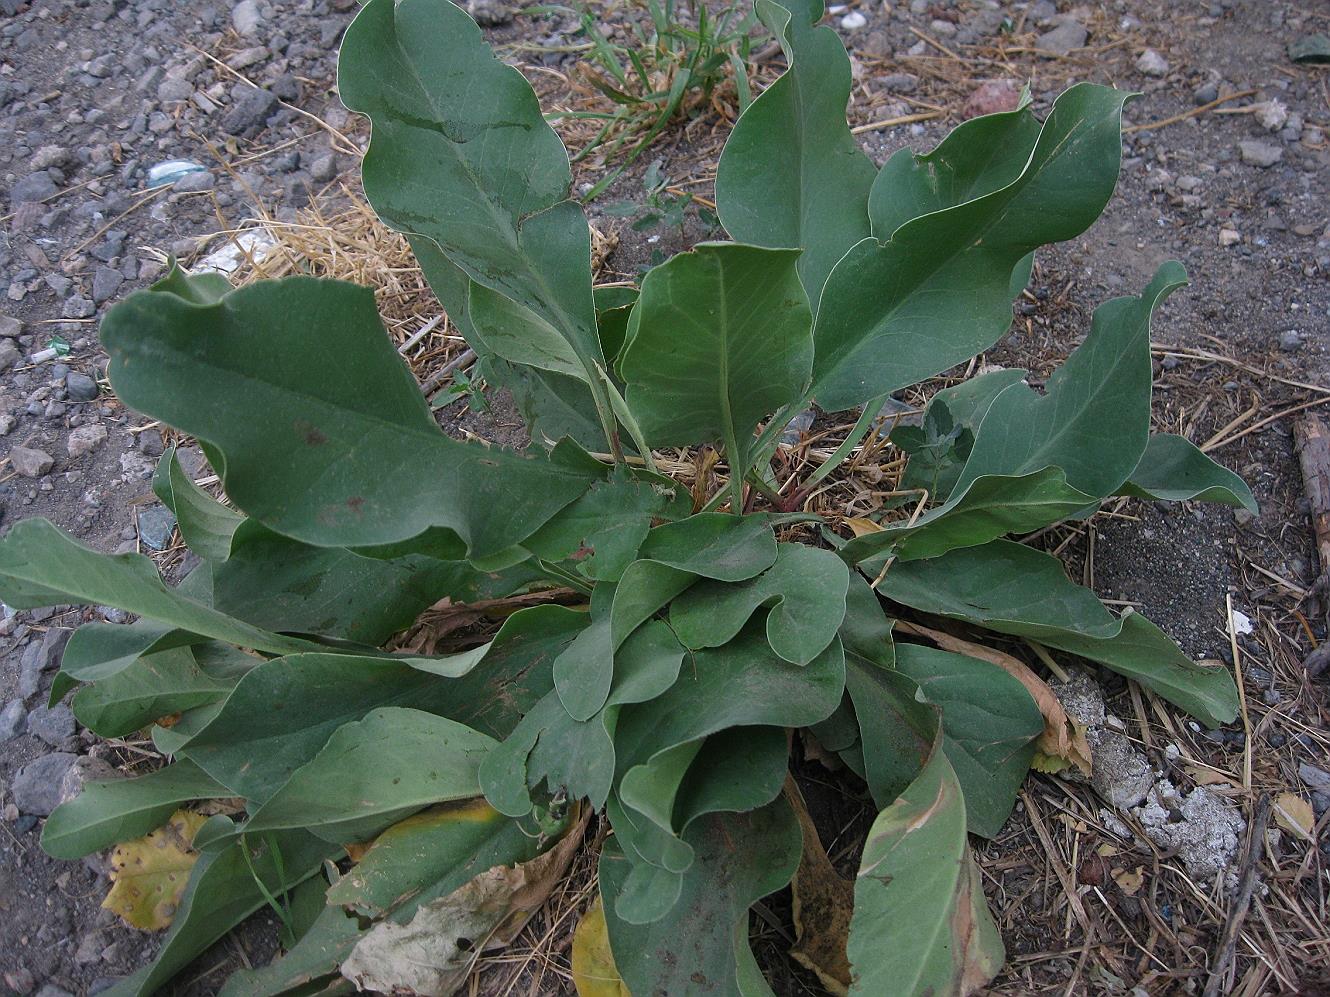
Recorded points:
(149, 874)
(594, 972)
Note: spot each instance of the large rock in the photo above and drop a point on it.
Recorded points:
(29, 462)
(38, 786)
(1065, 38)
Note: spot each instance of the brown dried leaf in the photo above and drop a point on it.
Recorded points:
(1295, 815)
(434, 952)
(823, 906)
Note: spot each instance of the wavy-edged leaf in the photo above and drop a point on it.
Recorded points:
(225, 888)
(461, 154)
(105, 813)
(978, 157)
(804, 589)
(578, 756)
(1174, 469)
(918, 880)
(702, 945)
(1093, 420)
(41, 566)
(332, 444)
(732, 771)
(284, 711)
(374, 772)
(791, 174)
(720, 338)
(939, 290)
(989, 726)
(672, 557)
(741, 684)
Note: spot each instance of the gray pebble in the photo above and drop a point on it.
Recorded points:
(12, 719)
(155, 525)
(34, 187)
(249, 112)
(81, 387)
(36, 788)
(52, 724)
(1289, 340)
(194, 183)
(105, 282)
(1257, 153)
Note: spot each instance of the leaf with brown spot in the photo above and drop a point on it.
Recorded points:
(149, 874)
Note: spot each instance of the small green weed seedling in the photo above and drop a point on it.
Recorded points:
(391, 802)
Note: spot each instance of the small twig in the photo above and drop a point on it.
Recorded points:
(1189, 114)
(1246, 884)
(462, 359)
(904, 119)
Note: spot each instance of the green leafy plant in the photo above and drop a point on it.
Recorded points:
(666, 642)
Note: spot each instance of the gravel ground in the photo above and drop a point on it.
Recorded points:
(94, 94)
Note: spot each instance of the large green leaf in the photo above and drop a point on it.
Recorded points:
(999, 585)
(1143, 652)
(792, 174)
(701, 947)
(921, 925)
(1015, 589)
(672, 557)
(549, 746)
(989, 724)
(284, 711)
(275, 582)
(106, 813)
(895, 726)
(374, 772)
(41, 566)
(150, 688)
(732, 771)
(805, 590)
(1174, 469)
(720, 338)
(225, 887)
(741, 684)
(978, 157)
(1093, 420)
(324, 433)
(939, 290)
(461, 155)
